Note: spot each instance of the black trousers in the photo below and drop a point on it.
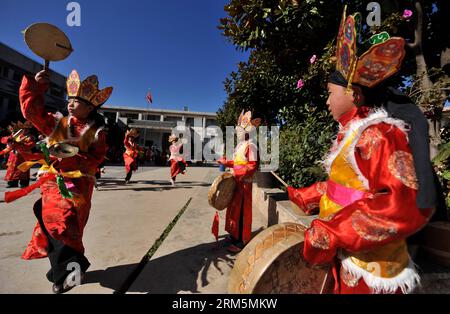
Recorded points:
(59, 254)
(15, 183)
(129, 174)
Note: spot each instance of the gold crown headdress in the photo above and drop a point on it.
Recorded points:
(370, 67)
(87, 90)
(245, 120)
(19, 125)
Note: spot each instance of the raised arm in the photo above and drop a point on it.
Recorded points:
(31, 96)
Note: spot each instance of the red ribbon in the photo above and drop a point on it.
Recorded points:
(215, 226)
(14, 195)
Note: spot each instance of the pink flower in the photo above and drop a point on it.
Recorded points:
(407, 14)
(313, 59)
(300, 84)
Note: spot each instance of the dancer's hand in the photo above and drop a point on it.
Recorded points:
(43, 77)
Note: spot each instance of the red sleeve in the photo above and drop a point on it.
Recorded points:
(226, 163)
(385, 160)
(4, 140)
(308, 199)
(5, 151)
(31, 96)
(26, 145)
(127, 143)
(229, 163)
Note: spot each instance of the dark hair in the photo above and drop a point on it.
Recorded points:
(98, 119)
(375, 96)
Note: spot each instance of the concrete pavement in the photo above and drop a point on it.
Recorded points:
(190, 260)
(125, 221)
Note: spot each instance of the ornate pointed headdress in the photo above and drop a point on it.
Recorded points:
(245, 121)
(87, 90)
(372, 61)
(19, 125)
(172, 138)
(133, 132)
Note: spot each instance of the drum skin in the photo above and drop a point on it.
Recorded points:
(48, 41)
(222, 191)
(272, 263)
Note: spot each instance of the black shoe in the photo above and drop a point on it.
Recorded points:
(68, 283)
(233, 248)
(12, 185)
(24, 183)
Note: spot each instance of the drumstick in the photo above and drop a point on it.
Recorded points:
(46, 65)
(279, 179)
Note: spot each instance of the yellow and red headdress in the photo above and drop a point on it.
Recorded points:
(367, 67)
(245, 121)
(87, 90)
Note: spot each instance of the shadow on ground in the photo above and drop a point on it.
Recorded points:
(180, 271)
(172, 273)
(158, 185)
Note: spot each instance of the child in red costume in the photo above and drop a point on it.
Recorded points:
(66, 183)
(177, 163)
(369, 205)
(16, 145)
(239, 214)
(132, 152)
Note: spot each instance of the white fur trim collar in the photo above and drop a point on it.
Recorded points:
(356, 128)
(407, 280)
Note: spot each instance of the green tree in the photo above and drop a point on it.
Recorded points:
(283, 35)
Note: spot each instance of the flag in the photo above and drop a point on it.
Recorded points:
(149, 97)
(215, 226)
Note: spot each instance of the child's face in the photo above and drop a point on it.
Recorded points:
(79, 109)
(339, 102)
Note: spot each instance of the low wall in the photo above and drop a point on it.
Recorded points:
(275, 207)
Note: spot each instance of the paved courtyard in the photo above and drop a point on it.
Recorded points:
(124, 222)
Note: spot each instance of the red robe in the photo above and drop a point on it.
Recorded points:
(175, 159)
(131, 154)
(15, 158)
(64, 218)
(244, 168)
(373, 222)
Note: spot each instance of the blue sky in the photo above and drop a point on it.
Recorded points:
(172, 47)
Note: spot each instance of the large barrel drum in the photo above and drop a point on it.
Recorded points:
(272, 262)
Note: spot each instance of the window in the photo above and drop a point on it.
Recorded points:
(172, 119)
(190, 121)
(210, 122)
(17, 76)
(13, 105)
(129, 115)
(153, 117)
(111, 116)
(55, 91)
(4, 71)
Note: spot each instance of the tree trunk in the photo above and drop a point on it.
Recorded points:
(425, 82)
